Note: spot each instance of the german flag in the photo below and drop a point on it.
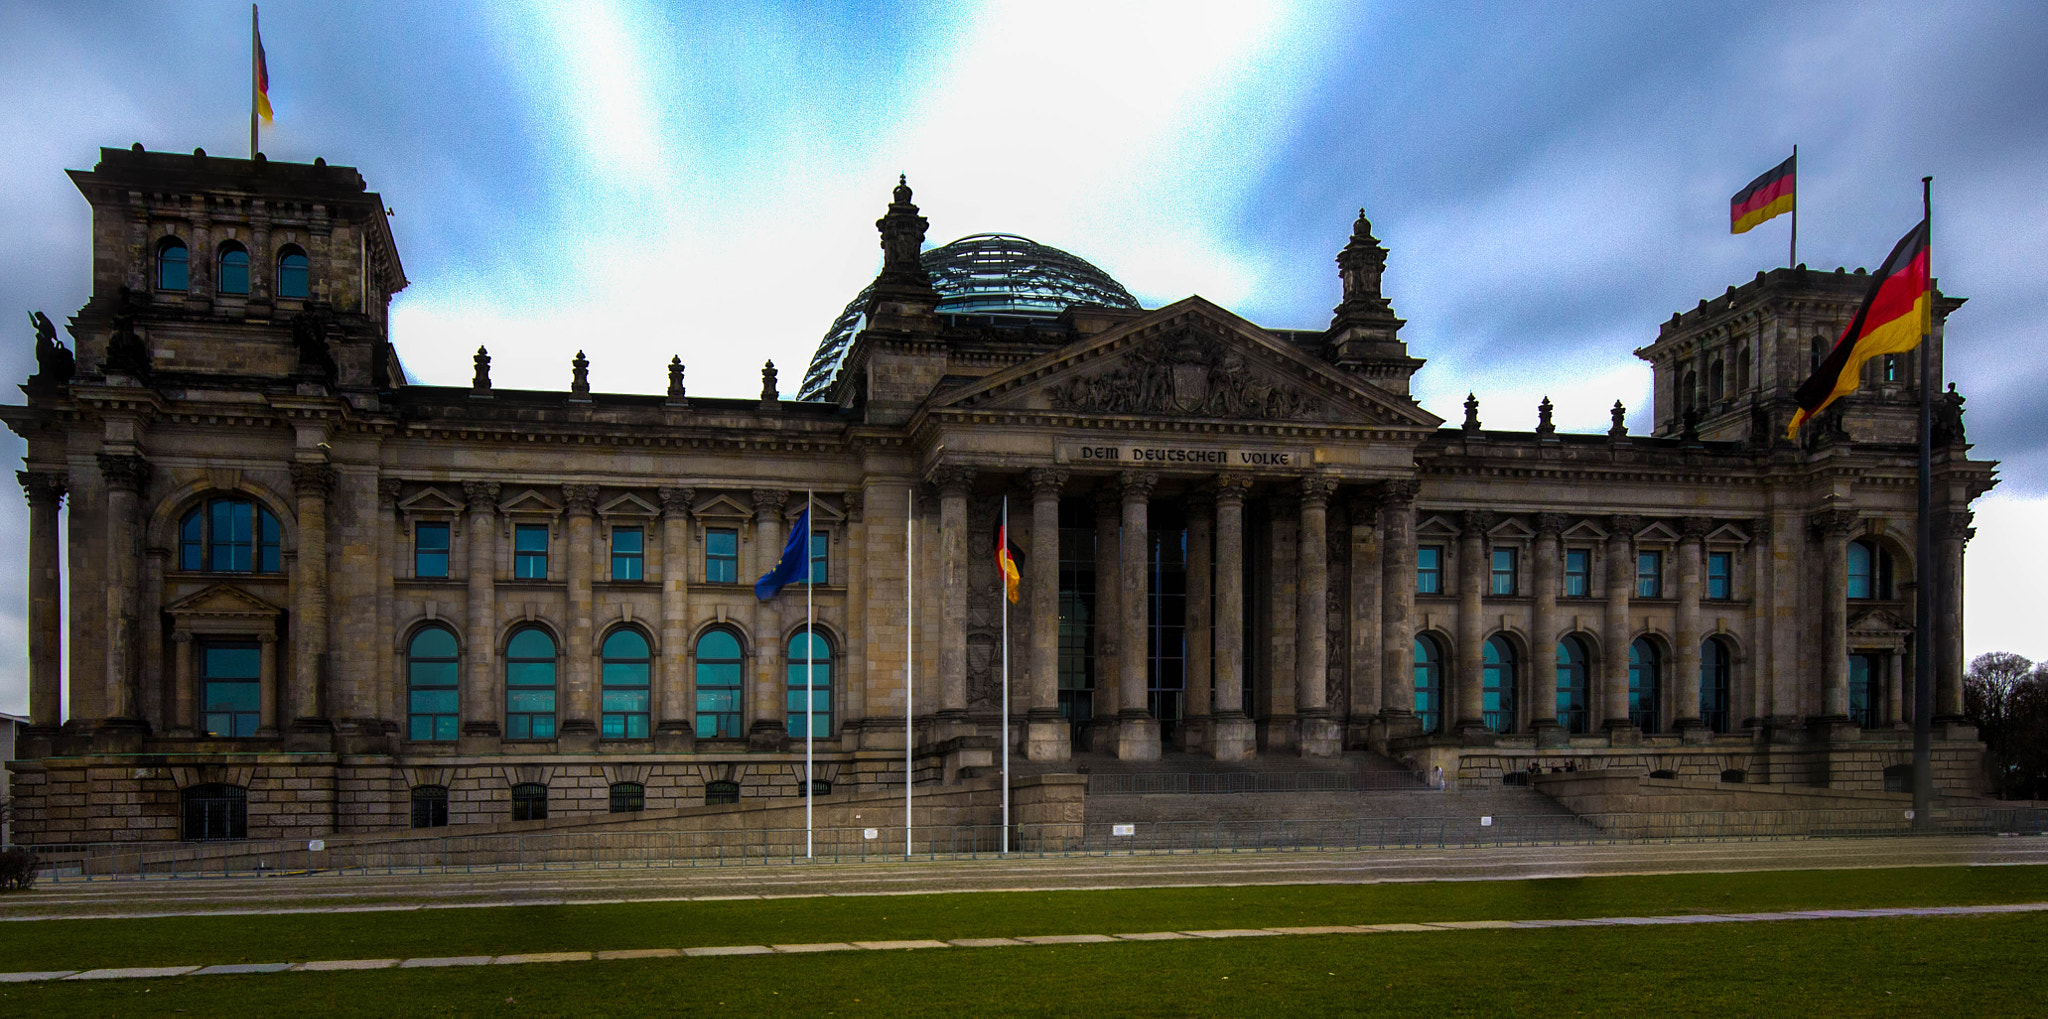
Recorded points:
(262, 80)
(1769, 195)
(1896, 313)
(1006, 561)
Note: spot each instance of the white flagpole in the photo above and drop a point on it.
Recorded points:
(909, 655)
(810, 676)
(1004, 551)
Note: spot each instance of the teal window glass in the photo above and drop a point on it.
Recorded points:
(625, 667)
(1578, 573)
(291, 274)
(430, 550)
(1571, 684)
(231, 694)
(821, 558)
(718, 685)
(1865, 692)
(810, 682)
(530, 551)
(230, 536)
(1716, 666)
(629, 547)
(1429, 569)
(721, 555)
(432, 677)
(1497, 695)
(172, 272)
(530, 685)
(1720, 576)
(1649, 574)
(1870, 571)
(1644, 665)
(234, 269)
(1429, 683)
(1504, 563)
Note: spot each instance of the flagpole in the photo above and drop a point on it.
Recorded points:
(909, 655)
(1923, 594)
(1795, 209)
(253, 44)
(1004, 551)
(810, 678)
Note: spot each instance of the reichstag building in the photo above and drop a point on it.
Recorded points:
(308, 596)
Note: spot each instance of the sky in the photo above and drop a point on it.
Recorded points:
(641, 180)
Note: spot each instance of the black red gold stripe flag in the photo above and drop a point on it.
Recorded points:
(1772, 194)
(1896, 313)
(1006, 561)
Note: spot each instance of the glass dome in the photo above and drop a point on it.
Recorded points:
(981, 274)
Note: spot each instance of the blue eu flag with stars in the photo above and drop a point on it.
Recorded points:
(795, 564)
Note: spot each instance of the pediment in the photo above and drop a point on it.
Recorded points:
(721, 505)
(530, 501)
(1190, 359)
(1878, 621)
(628, 505)
(1727, 534)
(1436, 525)
(1510, 529)
(823, 513)
(1584, 530)
(222, 601)
(430, 502)
(1657, 532)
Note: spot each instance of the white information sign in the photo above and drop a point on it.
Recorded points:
(1123, 829)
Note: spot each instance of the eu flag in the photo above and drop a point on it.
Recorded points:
(795, 564)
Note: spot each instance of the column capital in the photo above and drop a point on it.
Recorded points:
(1363, 507)
(312, 478)
(855, 500)
(1760, 529)
(1550, 525)
(952, 480)
(1399, 492)
(677, 501)
(1831, 524)
(1954, 525)
(266, 638)
(43, 486)
(125, 471)
(481, 496)
(1136, 486)
(580, 499)
(387, 492)
(1694, 529)
(1623, 526)
(1475, 523)
(768, 503)
(181, 636)
(1047, 480)
(1316, 489)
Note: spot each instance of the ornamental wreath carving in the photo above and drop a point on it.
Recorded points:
(1187, 373)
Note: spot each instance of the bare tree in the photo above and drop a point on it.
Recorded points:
(2006, 696)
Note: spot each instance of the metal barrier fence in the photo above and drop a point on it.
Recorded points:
(1257, 782)
(429, 854)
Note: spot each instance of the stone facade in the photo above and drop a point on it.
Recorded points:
(296, 578)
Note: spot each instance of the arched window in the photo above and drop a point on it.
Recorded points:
(530, 686)
(1571, 684)
(1643, 668)
(1716, 665)
(172, 272)
(1689, 392)
(625, 685)
(721, 792)
(529, 802)
(431, 680)
(229, 535)
(430, 806)
(1818, 350)
(1717, 382)
(628, 797)
(291, 272)
(1429, 683)
(718, 685)
(215, 811)
(234, 269)
(810, 670)
(1497, 697)
(1870, 570)
(1742, 370)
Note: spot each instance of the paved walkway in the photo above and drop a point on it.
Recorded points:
(328, 965)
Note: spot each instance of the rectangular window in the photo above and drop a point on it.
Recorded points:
(430, 550)
(1503, 571)
(530, 552)
(1649, 574)
(1429, 569)
(821, 557)
(230, 691)
(1720, 577)
(628, 552)
(721, 556)
(1578, 573)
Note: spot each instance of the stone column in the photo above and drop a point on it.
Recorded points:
(45, 491)
(1137, 732)
(1397, 608)
(127, 476)
(1952, 536)
(1545, 556)
(1692, 536)
(1316, 734)
(184, 702)
(1108, 620)
(1046, 734)
(1231, 737)
(675, 730)
(1473, 575)
(1894, 689)
(305, 697)
(480, 704)
(769, 727)
(1197, 704)
(267, 721)
(1618, 631)
(1362, 657)
(390, 546)
(1831, 529)
(579, 722)
(954, 483)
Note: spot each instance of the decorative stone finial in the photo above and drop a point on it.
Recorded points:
(1619, 429)
(579, 377)
(1471, 412)
(1543, 422)
(769, 394)
(675, 377)
(902, 189)
(481, 382)
(902, 232)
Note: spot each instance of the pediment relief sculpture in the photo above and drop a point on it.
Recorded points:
(1190, 373)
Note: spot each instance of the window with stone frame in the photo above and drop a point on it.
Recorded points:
(230, 535)
(810, 684)
(530, 685)
(432, 680)
(430, 549)
(1578, 573)
(230, 687)
(1870, 570)
(1429, 683)
(1720, 576)
(530, 551)
(232, 278)
(821, 558)
(293, 279)
(529, 802)
(1429, 569)
(173, 268)
(214, 811)
(719, 672)
(628, 797)
(1649, 574)
(430, 806)
(629, 550)
(721, 791)
(626, 664)
(1572, 672)
(721, 555)
(1505, 572)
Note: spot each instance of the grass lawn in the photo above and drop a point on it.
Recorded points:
(84, 944)
(1978, 966)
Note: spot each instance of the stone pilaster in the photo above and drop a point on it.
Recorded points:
(1231, 734)
(1830, 529)
(953, 483)
(1692, 536)
(766, 706)
(1467, 706)
(391, 546)
(579, 721)
(45, 491)
(127, 477)
(1317, 735)
(1192, 733)
(1953, 532)
(482, 706)
(677, 700)
(1362, 656)
(305, 701)
(1617, 630)
(184, 702)
(1046, 734)
(1137, 732)
(1546, 555)
(1397, 608)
